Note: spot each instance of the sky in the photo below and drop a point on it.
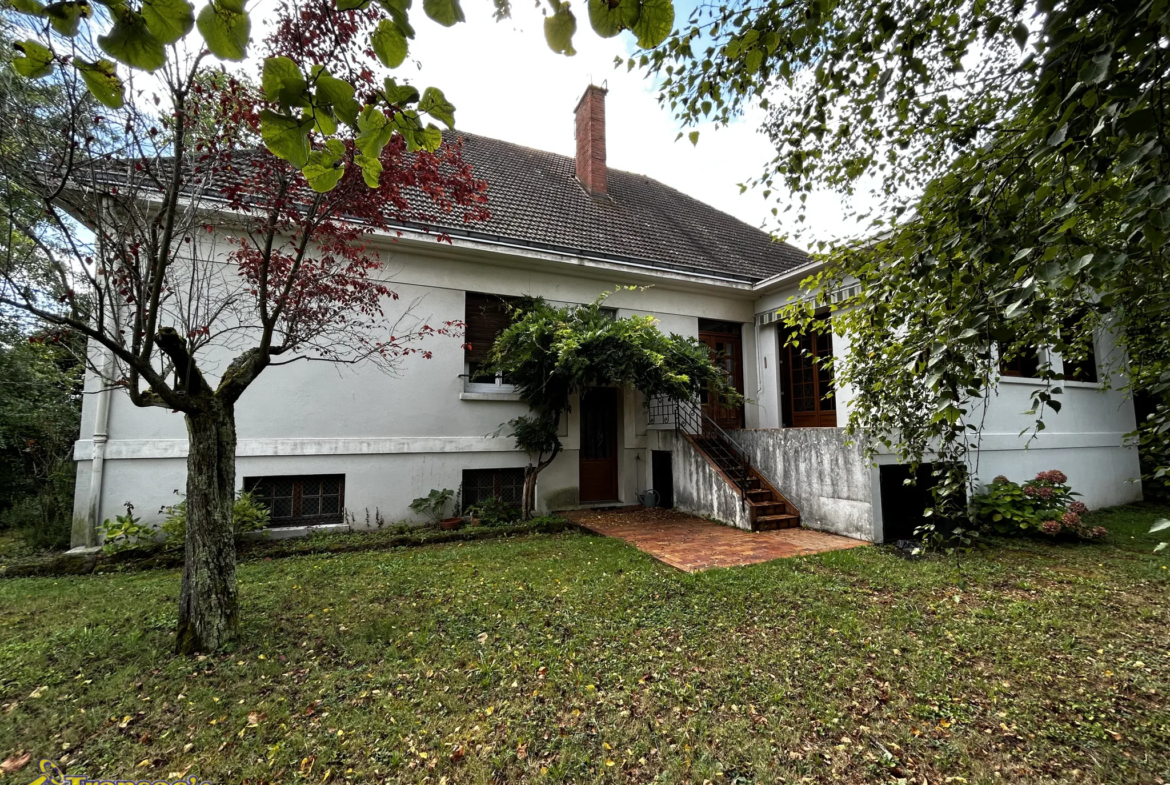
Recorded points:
(506, 83)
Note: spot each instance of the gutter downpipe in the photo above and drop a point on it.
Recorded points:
(87, 536)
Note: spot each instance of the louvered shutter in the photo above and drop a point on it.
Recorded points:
(486, 317)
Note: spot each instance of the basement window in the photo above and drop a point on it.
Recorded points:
(479, 485)
(304, 500)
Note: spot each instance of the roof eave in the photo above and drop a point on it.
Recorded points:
(787, 278)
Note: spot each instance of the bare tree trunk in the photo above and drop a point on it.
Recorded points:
(208, 606)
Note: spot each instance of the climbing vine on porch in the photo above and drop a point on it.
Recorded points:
(551, 353)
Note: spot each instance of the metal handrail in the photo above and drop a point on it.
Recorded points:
(689, 417)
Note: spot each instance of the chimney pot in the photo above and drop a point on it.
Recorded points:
(591, 140)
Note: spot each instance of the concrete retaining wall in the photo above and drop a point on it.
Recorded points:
(832, 483)
(700, 489)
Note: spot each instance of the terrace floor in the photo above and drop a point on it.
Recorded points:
(694, 544)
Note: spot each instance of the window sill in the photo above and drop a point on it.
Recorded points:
(1055, 383)
(286, 532)
(489, 396)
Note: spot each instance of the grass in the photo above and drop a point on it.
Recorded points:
(572, 658)
(12, 545)
(19, 560)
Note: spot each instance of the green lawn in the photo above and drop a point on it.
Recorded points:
(572, 658)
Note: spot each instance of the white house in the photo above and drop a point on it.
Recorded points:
(328, 446)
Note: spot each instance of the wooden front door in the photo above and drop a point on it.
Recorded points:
(726, 353)
(808, 383)
(599, 453)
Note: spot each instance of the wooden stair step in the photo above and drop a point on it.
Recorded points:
(785, 521)
(768, 507)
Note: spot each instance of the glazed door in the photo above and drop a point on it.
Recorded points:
(809, 384)
(727, 353)
(599, 454)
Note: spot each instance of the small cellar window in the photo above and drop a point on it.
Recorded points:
(300, 500)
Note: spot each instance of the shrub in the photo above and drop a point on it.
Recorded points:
(248, 514)
(1044, 505)
(494, 512)
(545, 520)
(44, 520)
(434, 504)
(128, 532)
(42, 525)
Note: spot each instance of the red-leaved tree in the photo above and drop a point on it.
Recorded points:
(178, 246)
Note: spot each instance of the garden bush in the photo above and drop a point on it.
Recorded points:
(495, 512)
(1042, 506)
(44, 520)
(127, 531)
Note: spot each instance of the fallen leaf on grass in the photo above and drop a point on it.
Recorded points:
(15, 763)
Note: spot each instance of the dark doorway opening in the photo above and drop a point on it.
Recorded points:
(599, 453)
(904, 506)
(662, 477)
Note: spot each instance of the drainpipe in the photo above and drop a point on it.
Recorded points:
(85, 530)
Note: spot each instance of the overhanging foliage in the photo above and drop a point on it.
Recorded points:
(551, 353)
(1016, 159)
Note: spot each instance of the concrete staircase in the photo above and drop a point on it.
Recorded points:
(767, 508)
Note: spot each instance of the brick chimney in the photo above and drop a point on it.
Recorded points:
(591, 139)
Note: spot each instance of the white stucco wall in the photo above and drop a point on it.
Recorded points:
(395, 437)
(1085, 439)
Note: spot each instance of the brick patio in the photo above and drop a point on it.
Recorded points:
(693, 544)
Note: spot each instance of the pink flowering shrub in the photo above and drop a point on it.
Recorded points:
(1043, 505)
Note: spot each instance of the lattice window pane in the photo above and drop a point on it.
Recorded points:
(295, 501)
(479, 485)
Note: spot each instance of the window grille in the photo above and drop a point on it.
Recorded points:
(479, 485)
(301, 500)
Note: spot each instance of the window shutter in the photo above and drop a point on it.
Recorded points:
(486, 317)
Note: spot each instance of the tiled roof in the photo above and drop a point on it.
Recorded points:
(534, 198)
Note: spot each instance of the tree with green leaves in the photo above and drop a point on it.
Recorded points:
(150, 151)
(190, 264)
(308, 104)
(552, 353)
(1014, 164)
(40, 413)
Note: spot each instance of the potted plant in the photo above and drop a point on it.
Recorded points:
(434, 505)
